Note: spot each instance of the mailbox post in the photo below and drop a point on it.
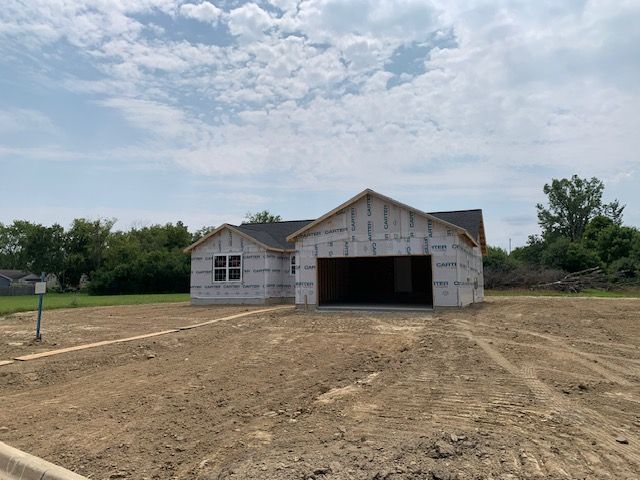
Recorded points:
(40, 290)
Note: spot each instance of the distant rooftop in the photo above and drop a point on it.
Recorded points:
(13, 274)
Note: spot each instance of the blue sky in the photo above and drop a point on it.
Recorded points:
(163, 110)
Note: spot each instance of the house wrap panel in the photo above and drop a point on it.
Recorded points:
(371, 227)
(265, 274)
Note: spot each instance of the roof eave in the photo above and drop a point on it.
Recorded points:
(235, 229)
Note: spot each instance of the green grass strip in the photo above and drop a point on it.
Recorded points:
(27, 303)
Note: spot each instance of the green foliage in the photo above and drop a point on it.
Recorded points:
(149, 259)
(572, 204)
(85, 247)
(625, 268)
(25, 303)
(201, 232)
(498, 259)
(531, 253)
(569, 256)
(261, 217)
(32, 247)
(609, 240)
(613, 211)
(146, 260)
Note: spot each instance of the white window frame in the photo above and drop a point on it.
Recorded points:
(292, 265)
(226, 268)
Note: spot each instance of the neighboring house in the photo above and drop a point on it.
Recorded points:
(369, 252)
(17, 282)
(10, 278)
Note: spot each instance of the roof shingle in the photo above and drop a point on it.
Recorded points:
(273, 234)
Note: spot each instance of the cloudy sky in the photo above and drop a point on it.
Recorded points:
(159, 110)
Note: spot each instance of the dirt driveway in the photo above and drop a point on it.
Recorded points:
(517, 388)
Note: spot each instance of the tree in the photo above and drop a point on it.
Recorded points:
(572, 204)
(32, 247)
(85, 245)
(531, 253)
(499, 260)
(201, 232)
(613, 211)
(11, 246)
(262, 217)
(145, 260)
(609, 240)
(569, 256)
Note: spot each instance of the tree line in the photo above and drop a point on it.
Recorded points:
(141, 260)
(149, 259)
(579, 231)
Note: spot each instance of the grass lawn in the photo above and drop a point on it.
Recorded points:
(628, 293)
(25, 303)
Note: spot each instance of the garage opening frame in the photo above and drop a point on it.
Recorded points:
(411, 290)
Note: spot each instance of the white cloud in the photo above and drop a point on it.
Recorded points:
(523, 91)
(387, 20)
(250, 22)
(204, 12)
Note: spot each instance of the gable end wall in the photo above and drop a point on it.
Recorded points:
(265, 273)
(372, 227)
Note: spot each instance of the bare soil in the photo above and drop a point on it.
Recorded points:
(78, 326)
(516, 388)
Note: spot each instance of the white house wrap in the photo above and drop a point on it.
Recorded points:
(372, 225)
(263, 274)
(371, 250)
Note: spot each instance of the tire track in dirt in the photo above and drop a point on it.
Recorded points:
(594, 356)
(436, 404)
(603, 368)
(589, 421)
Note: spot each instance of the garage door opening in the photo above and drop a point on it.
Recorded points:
(391, 282)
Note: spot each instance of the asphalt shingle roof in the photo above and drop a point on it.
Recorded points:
(14, 274)
(470, 220)
(273, 234)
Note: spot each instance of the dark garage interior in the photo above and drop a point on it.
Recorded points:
(398, 281)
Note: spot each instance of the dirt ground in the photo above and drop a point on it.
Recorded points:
(78, 326)
(518, 388)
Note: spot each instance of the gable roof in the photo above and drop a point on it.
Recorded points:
(280, 236)
(271, 236)
(368, 191)
(274, 234)
(470, 220)
(13, 274)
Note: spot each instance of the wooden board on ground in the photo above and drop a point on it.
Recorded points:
(237, 315)
(35, 356)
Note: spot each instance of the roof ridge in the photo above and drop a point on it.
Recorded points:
(282, 221)
(455, 211)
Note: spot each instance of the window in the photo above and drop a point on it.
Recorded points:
(227, 268)
(292, 269)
